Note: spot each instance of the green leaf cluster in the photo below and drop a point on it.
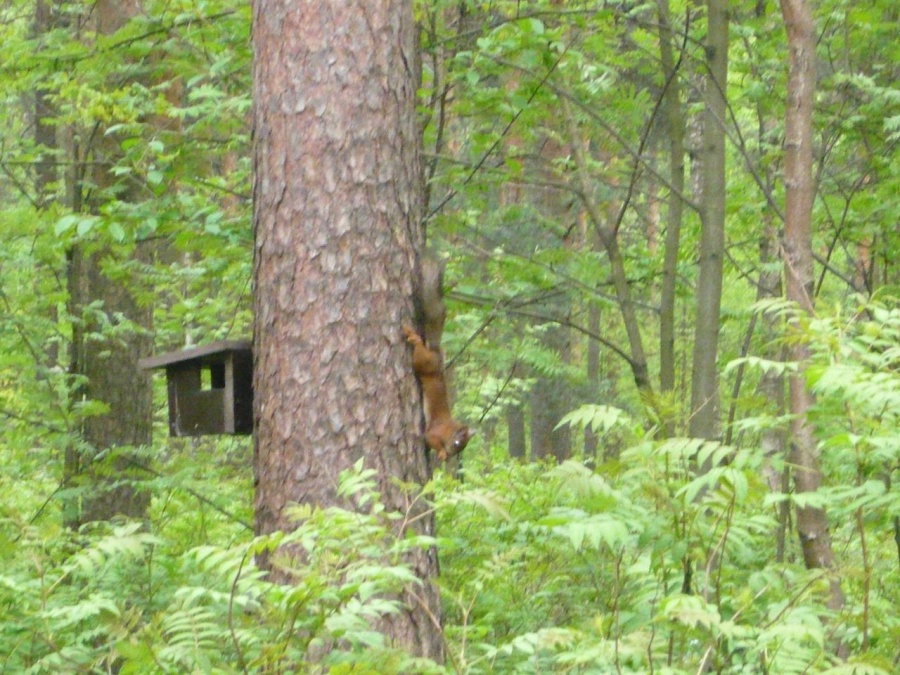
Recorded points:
(117, 597)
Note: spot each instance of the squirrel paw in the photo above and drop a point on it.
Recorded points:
(412, 336)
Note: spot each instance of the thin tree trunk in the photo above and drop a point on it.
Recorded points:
(45, 174)
(337, 238)
(591, 441)
(609, 239)
(773, 441)
(550, 401)
(674, 214)
(46, 19)
(704, 421)
(515, 422)
(812, 523)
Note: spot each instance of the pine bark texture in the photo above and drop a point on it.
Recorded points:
(812, 523)
(337, 226)
(704, 422)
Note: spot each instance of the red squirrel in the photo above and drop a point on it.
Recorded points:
(443, 434)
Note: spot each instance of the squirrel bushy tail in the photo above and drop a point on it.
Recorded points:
(431, 299)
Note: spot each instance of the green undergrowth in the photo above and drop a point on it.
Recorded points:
(635, 564)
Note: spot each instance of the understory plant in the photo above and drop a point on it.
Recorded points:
(114, 597)
(645, 564)
(636, 564)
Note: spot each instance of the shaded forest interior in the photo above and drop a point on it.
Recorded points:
(669, 234)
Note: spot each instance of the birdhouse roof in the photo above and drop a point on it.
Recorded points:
(203, 354)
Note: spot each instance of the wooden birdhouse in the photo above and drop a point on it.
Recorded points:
(210, 388)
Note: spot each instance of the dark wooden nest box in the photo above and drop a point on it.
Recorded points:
(210, 388)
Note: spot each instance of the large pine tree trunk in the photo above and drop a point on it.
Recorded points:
(337, 227)
(812, 523)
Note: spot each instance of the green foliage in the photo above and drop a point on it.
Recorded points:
(598, 418)
(644, 564)
(640, 564)
(630, 562)
(115, 596)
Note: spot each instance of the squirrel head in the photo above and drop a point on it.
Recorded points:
(457, 442)
(461, 438)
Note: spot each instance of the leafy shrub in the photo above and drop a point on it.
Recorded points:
(113, 596)
(638, 565)
(646, 566)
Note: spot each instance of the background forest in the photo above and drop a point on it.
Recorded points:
(609, 193)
